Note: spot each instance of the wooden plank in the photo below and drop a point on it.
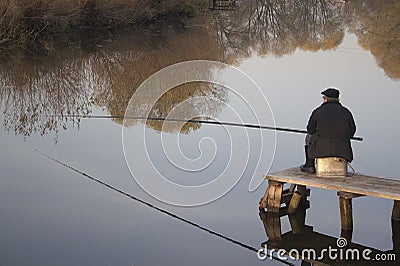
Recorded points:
(303, 205)
(357, 184)
(291, 188)
(287, 194)
(348, 195)
(286, 197)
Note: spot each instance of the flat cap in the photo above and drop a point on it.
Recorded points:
(331, 93)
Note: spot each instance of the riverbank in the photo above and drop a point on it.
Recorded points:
(24, 21)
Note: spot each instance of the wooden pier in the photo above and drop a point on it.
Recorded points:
(278, 200)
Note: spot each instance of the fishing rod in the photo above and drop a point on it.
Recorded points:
(157, 208)
(283, 129)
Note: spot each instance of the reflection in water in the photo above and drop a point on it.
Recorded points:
(32, 89)
(173, 97)
(104, 73)
(312, 251)
(72, 74)
(117, 74)
(156, 208)
(280, 27)
(377, 26)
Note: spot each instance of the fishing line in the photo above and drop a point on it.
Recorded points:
(354, 171)
(284, 129)
(379, 171)
(158, 208)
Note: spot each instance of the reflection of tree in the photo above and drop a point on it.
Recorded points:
(377, 26)
(117, 74)
(35, 89)
(280, 27)
(66, 81)
(69, 76)
(184, 92)
(320, 24)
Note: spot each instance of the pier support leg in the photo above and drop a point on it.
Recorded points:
(396, 236)
(303, 192)
(297, 222)
(263, 201)
(272, 226)
(274, 196)
(347, 234)
(396, 210)
(346, 213)
(294, 202)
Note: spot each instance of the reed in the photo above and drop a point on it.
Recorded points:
(23, 21)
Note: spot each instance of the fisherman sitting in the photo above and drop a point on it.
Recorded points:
(330, 128)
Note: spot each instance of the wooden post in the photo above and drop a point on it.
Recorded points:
(396, 210)
(347, 234)
(301, 215)
(274, 228)
(396, 236)
(298, 220)
(346, 213)
(294, 202)
(272, 225)
(303, 191)
(274, 196)
(263, 201)
(295, 223)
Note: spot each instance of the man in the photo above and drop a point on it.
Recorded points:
(330, 128)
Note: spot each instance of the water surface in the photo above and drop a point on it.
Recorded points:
(54, 216)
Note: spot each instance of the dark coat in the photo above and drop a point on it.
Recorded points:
(331, 126)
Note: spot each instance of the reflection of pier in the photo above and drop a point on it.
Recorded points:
(222, 4)
(304, 241)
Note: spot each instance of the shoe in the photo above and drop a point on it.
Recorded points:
(307, 169)
(309, 166)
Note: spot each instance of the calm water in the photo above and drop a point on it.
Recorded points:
(51, 215)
